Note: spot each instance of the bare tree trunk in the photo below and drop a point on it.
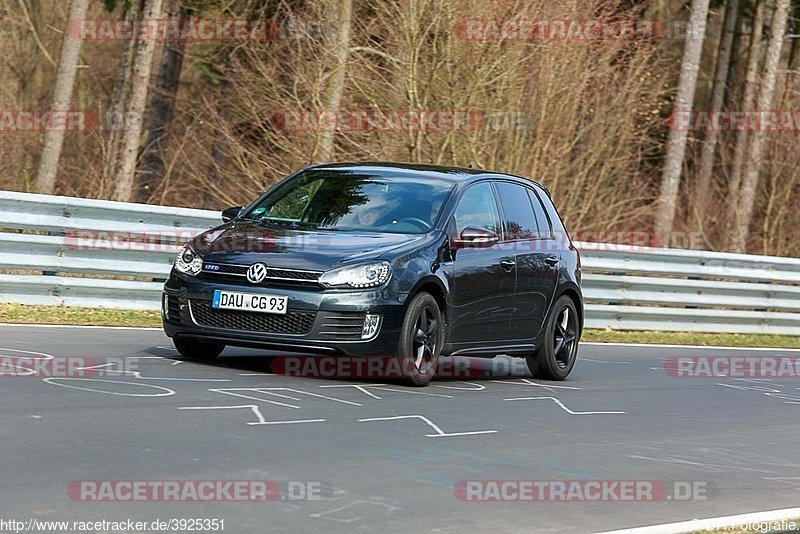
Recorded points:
(336, 86)
(159, 115)
(122, 87)
(62, 95)
(744, 213)
(676, 145)
(742, 136)
(125, 167)
(709, 147)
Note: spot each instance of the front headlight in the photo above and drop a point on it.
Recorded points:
(189, 261)
(358, 277)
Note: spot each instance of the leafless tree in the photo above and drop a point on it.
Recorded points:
(676, 145)
(62, 97)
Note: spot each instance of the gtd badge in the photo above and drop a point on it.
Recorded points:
(256, 273)
(211, 267)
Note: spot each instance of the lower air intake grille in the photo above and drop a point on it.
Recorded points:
(292, 323)
(342, 326)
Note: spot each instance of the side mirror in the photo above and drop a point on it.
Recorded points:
(473, 237)
(231, 213)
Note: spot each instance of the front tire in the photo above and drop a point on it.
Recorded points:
(198, 350)
(556, 357)
(421, 340)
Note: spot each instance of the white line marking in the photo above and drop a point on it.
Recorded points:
(713, 524)
(660, 346)
(478, 387)
(412, 392)
(362, 389)
(138, 375)
(256, 412)
(561, 405)
(42, 355)
(250, 397)
(592, 360)
(529, 382)
(439, 432)
(271, 391)
(168, 392)
(28, 325)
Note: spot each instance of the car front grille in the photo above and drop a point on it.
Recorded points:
(342, 326)
(294, 322)
(274, 274)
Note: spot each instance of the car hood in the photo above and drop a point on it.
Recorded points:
(245, 243)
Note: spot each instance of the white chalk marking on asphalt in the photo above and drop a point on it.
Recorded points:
(324, 515)
(250, 397)
(791, 481)
(439, 432)
(411, 392)
(26, 371)
(713, 524)
(705, 465)
(592, 360)
(273, 392)
(253, 408)
(529, 382)
(42, 355)
(478, 387)
(167, 392)
(359, 387)
(138, 375)
(255, 374)
(562, 406)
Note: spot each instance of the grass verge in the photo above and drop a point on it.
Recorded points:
(19, 313)
(23, 314)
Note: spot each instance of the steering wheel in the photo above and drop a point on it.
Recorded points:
(416, 221)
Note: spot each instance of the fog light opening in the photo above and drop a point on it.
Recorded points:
(371, 325)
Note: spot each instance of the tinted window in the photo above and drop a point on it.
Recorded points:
(344, 200)
(518, 216)
(541, 217)
(478, 209)
(555, 219)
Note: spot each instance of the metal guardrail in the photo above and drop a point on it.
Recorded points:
(626, 288)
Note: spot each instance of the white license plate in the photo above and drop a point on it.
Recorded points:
(230, 300)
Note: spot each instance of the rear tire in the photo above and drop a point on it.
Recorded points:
(556, 357)
(421, 340)
(198, 350)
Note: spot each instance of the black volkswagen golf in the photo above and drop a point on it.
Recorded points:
(394, 260)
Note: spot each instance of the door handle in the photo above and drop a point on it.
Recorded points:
(551, 260)
(508, 265)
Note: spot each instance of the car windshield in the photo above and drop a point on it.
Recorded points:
(348, 201)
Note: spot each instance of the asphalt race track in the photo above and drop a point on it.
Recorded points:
(374, 466)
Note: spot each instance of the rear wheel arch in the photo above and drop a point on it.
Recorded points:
(573, 294)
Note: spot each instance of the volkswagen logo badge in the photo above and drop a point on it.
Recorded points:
(256, 273)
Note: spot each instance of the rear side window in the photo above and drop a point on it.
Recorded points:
(555, 219)
(542, 220)
(518, 215)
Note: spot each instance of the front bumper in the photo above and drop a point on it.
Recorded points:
(318, 321)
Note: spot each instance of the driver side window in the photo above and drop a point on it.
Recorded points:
(478, 208)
